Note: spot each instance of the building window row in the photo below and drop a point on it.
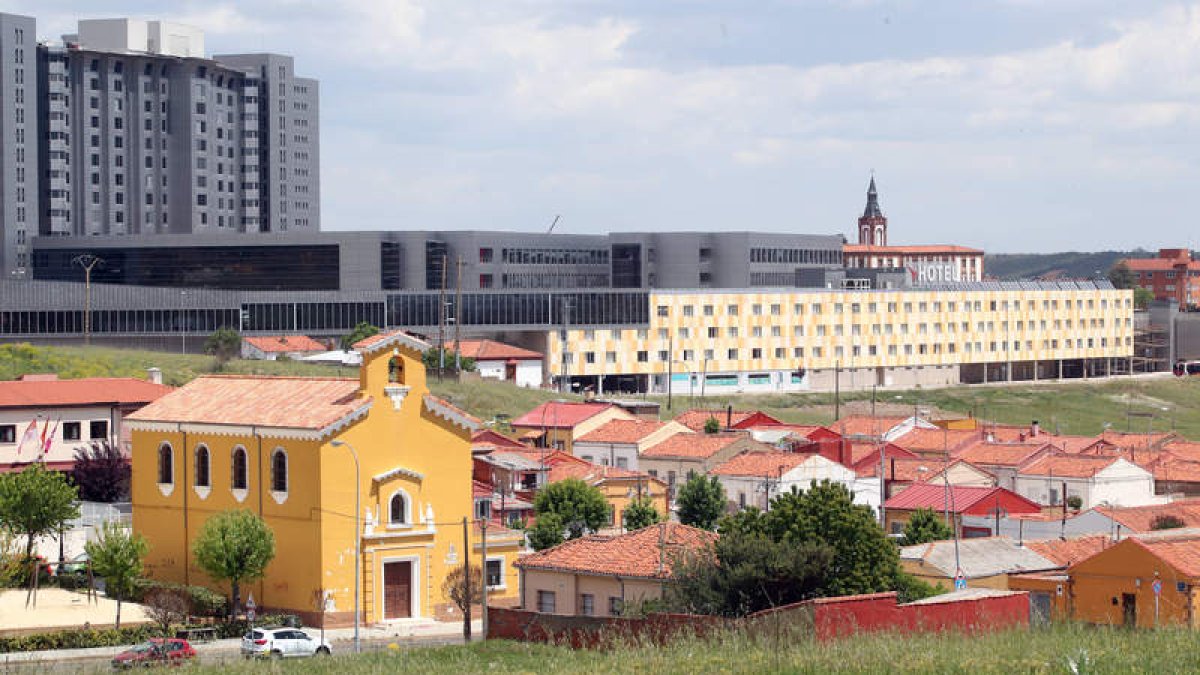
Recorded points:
(239, 468)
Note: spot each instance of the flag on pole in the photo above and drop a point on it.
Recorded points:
(50, 440)
(30, 436)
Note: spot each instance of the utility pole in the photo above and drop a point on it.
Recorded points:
(670, 366)
(87, 261)
(467, 580)
(837, 390)
(458, 320)
(565, 305)
(483, 609)
(442, 320)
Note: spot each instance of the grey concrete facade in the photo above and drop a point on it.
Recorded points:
(19, 134)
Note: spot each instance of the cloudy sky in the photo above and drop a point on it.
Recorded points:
(1012, 125)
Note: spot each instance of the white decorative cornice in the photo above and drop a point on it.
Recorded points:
(397, 337)
(250, 430)
(396, 392)
(440, 408)
(396, 472)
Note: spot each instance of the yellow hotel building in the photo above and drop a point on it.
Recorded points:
(267, 444)
(725, 341)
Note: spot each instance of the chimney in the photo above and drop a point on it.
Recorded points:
(729, 417)
(154, 375)
(989, 437)
(1034, 429)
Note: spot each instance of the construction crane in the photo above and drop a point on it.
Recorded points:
(551, 230)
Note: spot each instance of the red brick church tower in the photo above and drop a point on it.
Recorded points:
(872, 227)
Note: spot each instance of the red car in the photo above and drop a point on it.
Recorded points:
(155, 652)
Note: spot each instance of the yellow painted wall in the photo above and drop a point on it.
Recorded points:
(617, 493)
(1098, 584)
(568, 587)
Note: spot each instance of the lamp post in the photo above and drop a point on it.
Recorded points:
(357, 536)
(87, 261)
(183, 327)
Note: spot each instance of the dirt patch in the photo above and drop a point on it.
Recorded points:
(58, 609)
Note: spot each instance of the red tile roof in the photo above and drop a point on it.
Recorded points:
(982, 453)
(491, 350)
(647, 553)
(912, 470)
(696, 446)
(284, 343)
(489, 437)
(944, 249)
(1172, 469)
(963, 499)
(312, 403)
(865, 425)
(1159, 264)
(1189, 450)
(381, 340)
(696, 418)
(52, 392)
(1182, 553)
(759, 464)
(560, 415)
(622, 431)
(1141, 518)
(932, 441)
(1067, 552)
(1128, 439)
(1068, 466)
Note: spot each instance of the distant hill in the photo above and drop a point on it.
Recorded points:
(1070, 265)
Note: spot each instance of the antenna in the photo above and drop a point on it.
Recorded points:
(556, 218)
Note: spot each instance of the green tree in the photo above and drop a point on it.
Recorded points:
(547, 532)
(701, 502)
(744, 573)
(1166, 521)
(1121, 276)
(864, 560)
(641, 513)
(223, 345)
(581, 507)
(36, 502)
(1142, 297)
(234, 546)
(116, 555)
(430, 359)
(925, 526)
(362, 330)
(712, 425)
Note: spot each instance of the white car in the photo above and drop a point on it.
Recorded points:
(282, 643)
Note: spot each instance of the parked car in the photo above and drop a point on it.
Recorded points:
(282, 643)
(155, 652)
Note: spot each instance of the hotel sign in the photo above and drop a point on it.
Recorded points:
(926, 273)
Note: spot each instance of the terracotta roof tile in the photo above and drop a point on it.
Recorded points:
(696, 418)
(622, 431)
(983, 453)
(1172, 469)
(284, 343)
(1189, 450)
(696, 446)
(963, 499)
(865, 425)
(1067, 552)
(912, 249)
(311, 403)
(53, 392)
(381, 340)
(759, 464)
(1129, 439)
(929, 441)
(1181, 553)
(491, 350)
(1141, 518)
(647, 553)
(560, 414)
(1068, 466)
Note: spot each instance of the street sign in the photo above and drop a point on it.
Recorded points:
(250, 607)
(960, 582)
(1157, 586)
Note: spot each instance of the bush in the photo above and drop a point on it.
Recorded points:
(204, 602)
(76, 639)
(239, 627)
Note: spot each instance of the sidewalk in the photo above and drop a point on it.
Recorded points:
(403, 633)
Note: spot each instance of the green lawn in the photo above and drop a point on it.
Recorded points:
(1076, 408)
(1053, 650)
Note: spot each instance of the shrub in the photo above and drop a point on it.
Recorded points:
(204, 602)
(76, 639)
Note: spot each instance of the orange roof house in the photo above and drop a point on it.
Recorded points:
(1094, 480)
(271, 347)
(675, 458)
(696, 418)
(621, 442)
(491, 350)
(1143, 518)
(1144, 581)
(601, 575)
(558, 423)
(1067, 552)
(499, 361)
(958, 500)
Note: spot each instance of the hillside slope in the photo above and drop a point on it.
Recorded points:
(1070, 265)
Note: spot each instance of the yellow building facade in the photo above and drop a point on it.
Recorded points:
(268, 445)
(718, 341)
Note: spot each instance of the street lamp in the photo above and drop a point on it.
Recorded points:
(183, 322)
(357, 536)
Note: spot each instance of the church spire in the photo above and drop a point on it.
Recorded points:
(872, 227)
(872, 210)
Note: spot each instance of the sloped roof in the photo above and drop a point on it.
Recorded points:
(916, 469)
(622, 431)
(303, 403)
(935, 440)
(963, 499)
(451, 413)
(978, 557)
(388, 338)
(560, 414)
(696, 446)
(865, 425)
(1141, 518)
(646, 553)
(274, 344)
(1067, 552)
(491, 350)
(760, 464)
(491, 437)
(1130, 439)
(1172, 469)
(1068, 466)
(912, 249)
(48, 392)
(695, 418)
(1189, 450)
(983, 453)
(1182, 553)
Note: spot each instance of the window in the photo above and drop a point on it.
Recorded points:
(166, 465)
(495, 572)
(398, 509)
(279, 471)
(545, 602)
(72, 431)
(202, 467)
(483, 509)
(8, 433)
(615, 605)
(587, 604)
(98, 429)
(241, 469)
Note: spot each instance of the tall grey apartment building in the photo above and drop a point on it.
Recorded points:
(126, 128)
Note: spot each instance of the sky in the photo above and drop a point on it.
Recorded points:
(1009, 125)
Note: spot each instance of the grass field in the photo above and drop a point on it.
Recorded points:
(1075, 408)
(1058, 649)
